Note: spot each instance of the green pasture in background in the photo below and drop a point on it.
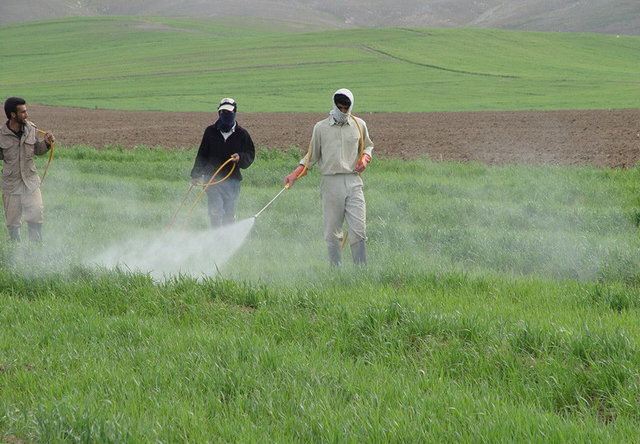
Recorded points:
(499, 304)
(187, 64)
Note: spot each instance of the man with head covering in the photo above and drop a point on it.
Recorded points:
(223, 140)
(341, 146)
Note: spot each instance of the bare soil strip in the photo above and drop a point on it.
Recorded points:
(607, 138)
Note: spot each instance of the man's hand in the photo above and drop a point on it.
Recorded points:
(49, 138)
(235, 157)
(297, 173)
(362, 163)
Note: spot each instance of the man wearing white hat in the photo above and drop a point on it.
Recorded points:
(223, 140)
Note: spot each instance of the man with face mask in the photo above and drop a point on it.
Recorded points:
(341, 146)
(20, 181)
(221, 141)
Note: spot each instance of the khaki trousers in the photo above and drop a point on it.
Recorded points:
(29, 204)
(343, 199)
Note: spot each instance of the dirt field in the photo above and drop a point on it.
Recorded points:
(608, 138)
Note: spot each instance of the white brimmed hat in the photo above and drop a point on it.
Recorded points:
(228, 104)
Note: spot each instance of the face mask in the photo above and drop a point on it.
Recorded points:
(340, 117)
(226, 121)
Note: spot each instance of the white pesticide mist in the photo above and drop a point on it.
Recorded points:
(171, 253)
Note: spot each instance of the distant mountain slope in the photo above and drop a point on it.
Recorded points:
(603, 16)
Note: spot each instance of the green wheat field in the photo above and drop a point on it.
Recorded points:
(500, 304)
(174, 65)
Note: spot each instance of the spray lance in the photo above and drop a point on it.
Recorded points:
(286, 187)
(299, 172)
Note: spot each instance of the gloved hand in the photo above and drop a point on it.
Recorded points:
(235, 157)
(362, 163)
(297, 173)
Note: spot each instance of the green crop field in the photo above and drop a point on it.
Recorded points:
(181, 64)
(499, 304)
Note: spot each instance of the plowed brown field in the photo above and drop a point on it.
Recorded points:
(609, 138)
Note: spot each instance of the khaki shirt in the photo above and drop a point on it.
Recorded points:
(335, 148)
(19, 174)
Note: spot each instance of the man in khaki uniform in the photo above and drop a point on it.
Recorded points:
(341, 146)
(20, 181)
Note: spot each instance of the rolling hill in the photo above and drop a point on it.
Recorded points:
(167, 64)
(601, 16)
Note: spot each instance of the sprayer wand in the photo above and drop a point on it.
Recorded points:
(286, 187)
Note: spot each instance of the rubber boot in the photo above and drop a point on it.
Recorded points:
(14, 233)
(35, 232)
(359, 252)
(335, 255)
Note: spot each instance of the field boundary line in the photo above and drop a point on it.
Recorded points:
(427, 65)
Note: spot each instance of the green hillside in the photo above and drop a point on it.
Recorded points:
(187, 64)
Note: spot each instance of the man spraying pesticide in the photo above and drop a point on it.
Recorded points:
(341, 146)
(222, 142)
(226, 147)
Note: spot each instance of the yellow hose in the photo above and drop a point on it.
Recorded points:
(361, 140)
(360, 153)
(51, 148)
(204, 189)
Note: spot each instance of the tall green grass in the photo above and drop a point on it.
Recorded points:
(188, 64)
(499, 304)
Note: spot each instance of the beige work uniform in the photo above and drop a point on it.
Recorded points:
(20, 180)
(335, 149)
